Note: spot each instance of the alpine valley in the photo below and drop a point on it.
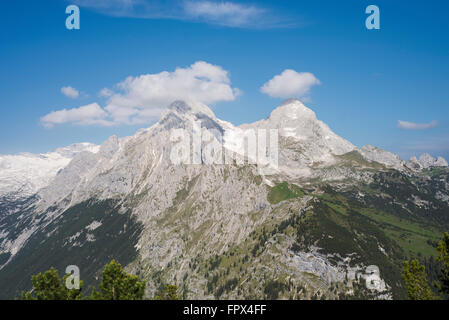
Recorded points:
(305, 229)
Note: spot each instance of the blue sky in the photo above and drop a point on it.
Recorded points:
(360, 82)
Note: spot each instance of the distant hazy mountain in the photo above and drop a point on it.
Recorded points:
(426, 161)
(24, 174)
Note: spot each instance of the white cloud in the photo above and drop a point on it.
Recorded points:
(290, 84)
(142, 99)
(416, 126)
(70, 92)
(224, 13)
(105, 93)
(85, 115)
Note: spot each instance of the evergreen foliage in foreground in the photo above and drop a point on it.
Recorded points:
(443, 258)
(416, 278)
(115, 284)
(48, 286)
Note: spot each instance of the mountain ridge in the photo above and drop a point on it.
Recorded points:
(12, 183)
(206, 225)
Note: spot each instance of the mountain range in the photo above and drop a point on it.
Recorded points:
(304, 224)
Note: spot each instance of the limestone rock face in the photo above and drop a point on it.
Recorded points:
(384, 157)
(426, 161)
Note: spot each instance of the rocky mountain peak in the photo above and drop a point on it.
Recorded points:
(73, 149)
(441, 162)
(110, 146)
(426, 161)
(191, 115)
(386, 158)
(181, 107)
(292, 109)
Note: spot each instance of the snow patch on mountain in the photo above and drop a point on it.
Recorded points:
(22, 175)
(304, 141)
(293, 119)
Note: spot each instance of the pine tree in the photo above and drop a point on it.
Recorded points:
(116, 284)
(169, 292)
(49, 286)
(415, 278)
(443, 258)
